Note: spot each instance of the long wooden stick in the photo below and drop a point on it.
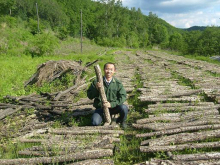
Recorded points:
(102, 93)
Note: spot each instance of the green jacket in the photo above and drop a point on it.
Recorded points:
(115, 93)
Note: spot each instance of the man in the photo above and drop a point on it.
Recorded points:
(115, 93)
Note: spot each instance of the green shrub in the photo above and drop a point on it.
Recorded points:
(42, 44)
(8, 21)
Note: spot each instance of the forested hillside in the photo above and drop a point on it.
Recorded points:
(105, 22)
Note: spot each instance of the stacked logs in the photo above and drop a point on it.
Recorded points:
(69, 145)
(45, 107)
(178, 119)
(181, 126)
(204, 75)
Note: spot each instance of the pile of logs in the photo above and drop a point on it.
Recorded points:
(178, 127)
(74, 145)
(45, 107)
(195, 70)
(178, 119)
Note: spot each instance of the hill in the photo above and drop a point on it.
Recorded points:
(193, 28)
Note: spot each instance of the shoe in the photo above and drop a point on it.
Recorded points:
(124, 125)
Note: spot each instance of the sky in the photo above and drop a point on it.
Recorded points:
(180, 13)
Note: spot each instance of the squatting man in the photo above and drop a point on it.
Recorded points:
(115, 94)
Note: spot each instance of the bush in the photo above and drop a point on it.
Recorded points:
(8, 21)
(42, 44)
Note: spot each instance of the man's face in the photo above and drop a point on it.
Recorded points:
(109, 71)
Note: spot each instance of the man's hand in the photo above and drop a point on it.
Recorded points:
(107, 104)
(98, 85)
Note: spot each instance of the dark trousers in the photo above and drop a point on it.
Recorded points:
(98, 115)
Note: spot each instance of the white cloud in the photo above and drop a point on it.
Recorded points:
(181, 13)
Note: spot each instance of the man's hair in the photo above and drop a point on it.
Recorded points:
(110, 63)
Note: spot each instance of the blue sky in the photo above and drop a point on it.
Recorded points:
(181, 13)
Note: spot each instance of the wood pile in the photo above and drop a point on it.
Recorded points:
(178, 118)
(44, 107)
(75, 145)
(204, 75)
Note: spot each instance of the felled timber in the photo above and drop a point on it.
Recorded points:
(166, 126)
(9, 111)
(179, 147)
(174, 119)
(176, 162)
(200, 156)
(91, 154)
(94, 162)
(182, 138)
(180, 109)
(81, 132)
(102, 93)
(158, 99)
(179, 130)
(159, 105)
(189, 115)
(105, 127)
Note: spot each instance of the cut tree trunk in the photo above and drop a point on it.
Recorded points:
(176, 162)
(179, 147)
(8, 111)
(200, 156)
(179, 130)
(91, 154)
(102, 93)
(182, 138)
(179, 109)
(173, 119)
(81, 132)
(166, 126)
(94, 162)
(163, 105)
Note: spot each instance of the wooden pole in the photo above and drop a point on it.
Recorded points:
(37, 19)
(81, 32)
(102, 93)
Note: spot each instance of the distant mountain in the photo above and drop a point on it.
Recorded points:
(193, 28)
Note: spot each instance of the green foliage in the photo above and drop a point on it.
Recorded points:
(42, 44)
(176, 42)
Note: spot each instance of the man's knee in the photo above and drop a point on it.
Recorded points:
(96, 119)
(95, 122)
(123, 109)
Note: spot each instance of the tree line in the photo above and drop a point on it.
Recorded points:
(108, 23)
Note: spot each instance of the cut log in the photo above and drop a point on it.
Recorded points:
(179, 130)
(179, 109)
(102, 93)
(179, 147)
(176, 162)
(182, 138)
(173, 119)
(94, 162)
(92, 154)
(9, 111)
(107, 127)
(189, 115)
(200, 156)
(161, 105)
(166, 126)
(158, 99)
(186, 93)
(81, 132)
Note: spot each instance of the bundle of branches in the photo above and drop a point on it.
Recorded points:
(49, 71)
